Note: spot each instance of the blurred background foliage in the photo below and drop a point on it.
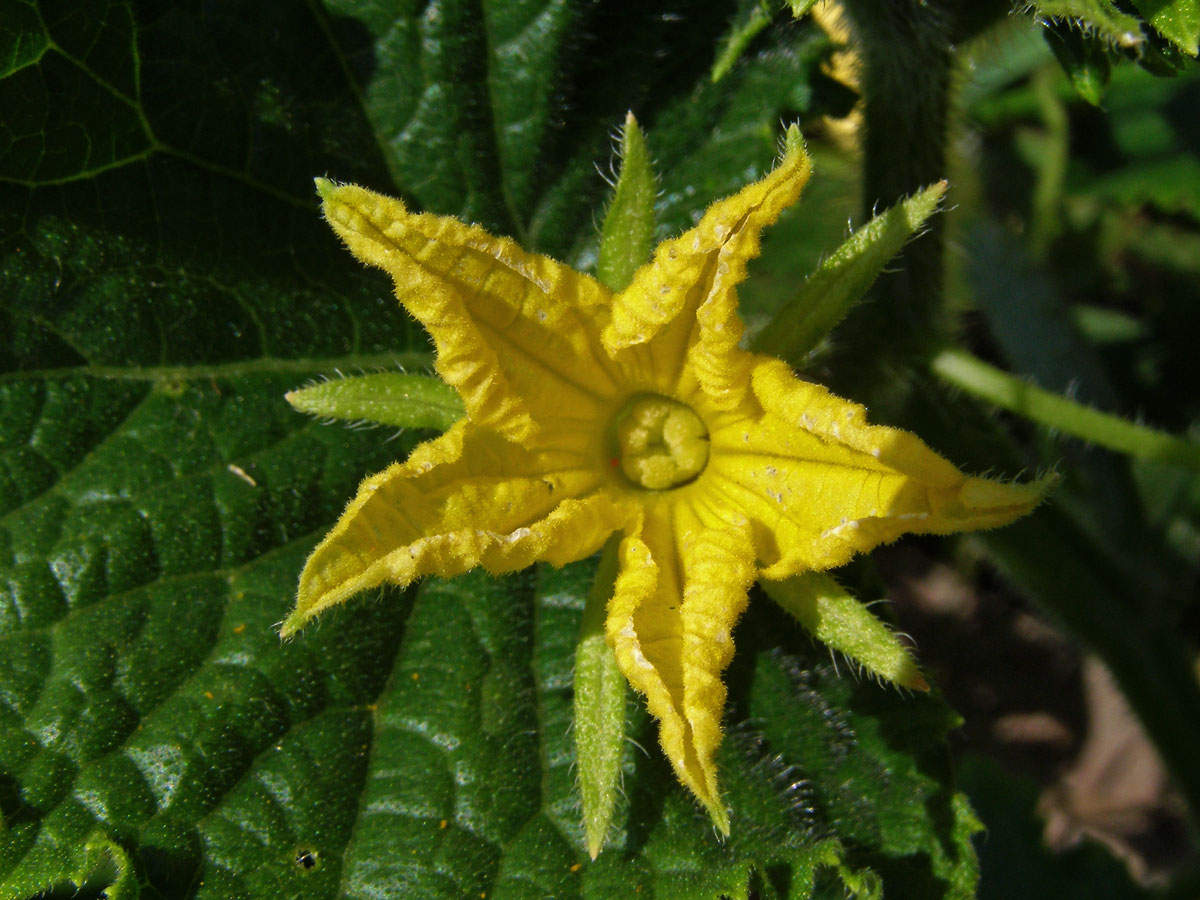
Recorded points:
(1072, 261)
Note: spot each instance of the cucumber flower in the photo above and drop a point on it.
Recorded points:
(590, 413)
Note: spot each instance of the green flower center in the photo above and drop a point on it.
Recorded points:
(661, 443)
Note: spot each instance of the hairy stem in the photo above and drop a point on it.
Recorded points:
(908, 57)
(1055, 411)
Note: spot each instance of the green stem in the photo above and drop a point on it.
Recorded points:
(1016, 395)
(907, 58)
(1052, 167)
(907, 49)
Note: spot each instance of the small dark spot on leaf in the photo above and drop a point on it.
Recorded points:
(307, 858)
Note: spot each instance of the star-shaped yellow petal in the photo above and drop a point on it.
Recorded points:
(590, 413)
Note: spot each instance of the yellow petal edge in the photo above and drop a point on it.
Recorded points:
(546, 361)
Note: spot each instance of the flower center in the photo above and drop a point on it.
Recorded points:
(661, 443)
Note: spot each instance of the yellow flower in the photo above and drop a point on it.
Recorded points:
(589, 412)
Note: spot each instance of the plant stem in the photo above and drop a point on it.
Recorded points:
(906, 57)
(973, 375)
(907, 49)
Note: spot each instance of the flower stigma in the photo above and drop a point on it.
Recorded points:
(661, 443)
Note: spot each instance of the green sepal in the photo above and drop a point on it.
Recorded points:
(845, 277)
(835, 618)
(599, 709)
(793, 140)
(751, 18)
(627, 236)
(385, 398)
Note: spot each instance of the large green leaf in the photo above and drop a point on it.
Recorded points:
(164, 281)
